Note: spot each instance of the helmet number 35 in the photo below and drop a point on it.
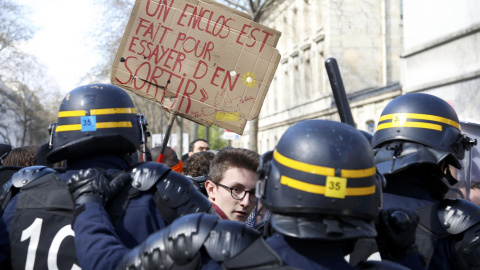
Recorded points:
(336, 187)
(89, 123)
(33, 233)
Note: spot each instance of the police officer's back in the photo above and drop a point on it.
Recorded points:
(321, 185)
(98, 127)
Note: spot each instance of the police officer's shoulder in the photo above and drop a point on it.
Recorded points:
(192, 230)
(29, 174)
(146, 174)
(244, 249)
(177, 196)
(458, 215)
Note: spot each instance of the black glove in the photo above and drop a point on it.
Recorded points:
(468, 251)
(396, 233)
(92, 185)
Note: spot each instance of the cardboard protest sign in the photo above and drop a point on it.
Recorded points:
(200, 59)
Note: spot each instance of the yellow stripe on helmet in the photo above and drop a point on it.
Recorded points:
(400, 120)
(71, 113)
(411, 124)
(75, 127)
(97, 112)
(112, 111)
(320, 170)
(319, 189)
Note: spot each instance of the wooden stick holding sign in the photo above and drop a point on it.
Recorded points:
(171, 120)
(200, 59)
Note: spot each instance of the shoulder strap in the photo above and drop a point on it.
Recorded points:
(117, 205)
(429, 230)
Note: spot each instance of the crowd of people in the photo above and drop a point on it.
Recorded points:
(328, 196)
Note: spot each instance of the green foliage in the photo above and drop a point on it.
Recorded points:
(215, 141)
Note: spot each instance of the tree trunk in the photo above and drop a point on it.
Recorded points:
(193, 132)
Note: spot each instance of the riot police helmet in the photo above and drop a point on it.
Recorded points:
(418, 128)
(95, 119)
(320, 182)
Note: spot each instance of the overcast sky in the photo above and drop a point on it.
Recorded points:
(62, 42)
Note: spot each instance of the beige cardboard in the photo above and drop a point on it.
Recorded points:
(200, 59)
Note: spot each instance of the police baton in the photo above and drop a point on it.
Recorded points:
(339, 91)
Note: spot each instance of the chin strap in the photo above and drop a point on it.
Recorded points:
(448, 175)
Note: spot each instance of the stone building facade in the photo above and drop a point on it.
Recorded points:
(442, 52)
(364, 36)
(383, 48)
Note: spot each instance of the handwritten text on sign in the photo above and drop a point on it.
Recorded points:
(200, 59)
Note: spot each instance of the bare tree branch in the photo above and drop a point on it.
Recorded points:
(261, 10)
(237, 6)
(253, 7)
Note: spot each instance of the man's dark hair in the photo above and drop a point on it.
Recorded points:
(192, 144)
(229, 157)
(475, 185)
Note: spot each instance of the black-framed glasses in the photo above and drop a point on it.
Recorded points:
(239, 193)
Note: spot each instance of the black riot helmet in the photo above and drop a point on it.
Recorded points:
(320, 182)
(96, 119)
(418, 128)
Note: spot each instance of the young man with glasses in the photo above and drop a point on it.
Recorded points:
(231, 185)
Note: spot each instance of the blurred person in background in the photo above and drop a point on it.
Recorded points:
(169, 158)
(197, 168)
(197, 145)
